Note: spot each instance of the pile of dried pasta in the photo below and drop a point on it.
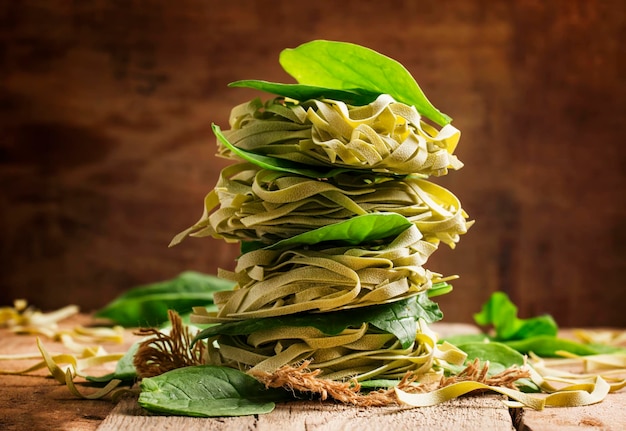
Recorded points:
(382, 154)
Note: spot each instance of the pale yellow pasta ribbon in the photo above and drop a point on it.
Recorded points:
(361, 353)
(274, 283)
(385, 136)
(251, 204)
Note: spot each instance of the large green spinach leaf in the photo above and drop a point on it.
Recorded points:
(302, 92)
(356, 230)
(501, 313)
(398, 318)
(207, 391)
(353, 231)
(148, 305)
(354, 68)
(401, 319)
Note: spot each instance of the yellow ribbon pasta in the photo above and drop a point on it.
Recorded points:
(262, 205)
(384, 136)
(274, 283)
(361, 353)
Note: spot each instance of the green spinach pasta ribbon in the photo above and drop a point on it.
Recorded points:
(273, 283)
(385, 135)
(252, 204)
(360, 352)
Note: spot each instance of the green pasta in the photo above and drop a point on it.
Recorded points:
(251, 204)
(274, 283)
(362, 353)
(384, 136)
(301, 166)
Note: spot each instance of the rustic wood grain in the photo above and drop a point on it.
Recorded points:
(483, 412)
(609, 415)
(38, 402)
(106, 149)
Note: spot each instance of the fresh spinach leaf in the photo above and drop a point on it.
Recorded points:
(276, 164)
(499, 355)
(427, 309)
(401, 318)
(207, 391)
(398, 318)
(124, 370)
(501, 313)
(547, 346)
(303, 92)
(148, 305)
(353, 231)
(350, 67)
(357, 230)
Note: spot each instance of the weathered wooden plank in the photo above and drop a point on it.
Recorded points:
(610, 414)
(480, 412)
(28, 403)
(38, 402)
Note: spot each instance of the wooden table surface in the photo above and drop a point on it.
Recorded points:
(36, 402)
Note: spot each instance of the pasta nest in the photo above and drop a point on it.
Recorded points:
(384, 136)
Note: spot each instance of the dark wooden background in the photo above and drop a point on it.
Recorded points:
(106, 150)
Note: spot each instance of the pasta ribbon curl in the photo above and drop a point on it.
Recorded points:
(384, 136)
(360, 353)
(252, 204)
(273, 283)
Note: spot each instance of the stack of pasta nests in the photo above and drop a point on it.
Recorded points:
(330, 173)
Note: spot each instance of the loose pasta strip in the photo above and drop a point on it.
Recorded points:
(262, 205)
(385, 136)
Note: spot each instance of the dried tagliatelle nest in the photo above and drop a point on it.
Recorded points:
(383, 136)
